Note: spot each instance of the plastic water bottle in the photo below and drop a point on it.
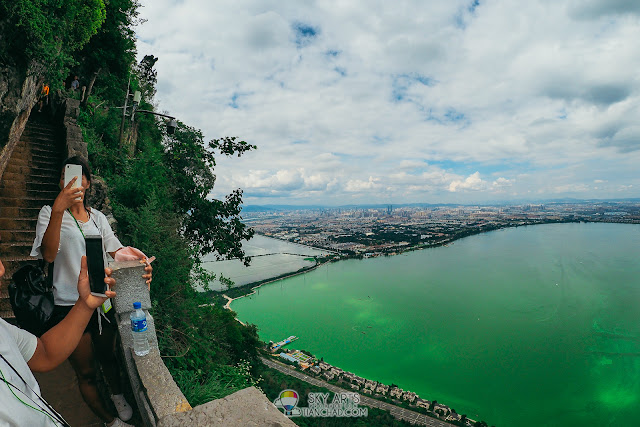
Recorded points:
(139, 330)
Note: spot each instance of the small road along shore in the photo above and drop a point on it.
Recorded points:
(396, 411)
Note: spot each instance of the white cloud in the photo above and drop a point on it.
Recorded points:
(502, 182)
(472, 182)
(356, 185)
(407, 99)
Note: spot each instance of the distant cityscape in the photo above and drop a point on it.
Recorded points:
(389, 229)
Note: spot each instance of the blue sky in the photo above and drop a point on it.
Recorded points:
(407, 101)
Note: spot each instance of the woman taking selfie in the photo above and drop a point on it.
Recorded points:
(60, 234)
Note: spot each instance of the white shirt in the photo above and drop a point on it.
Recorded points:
(66, 267)
(18, 346)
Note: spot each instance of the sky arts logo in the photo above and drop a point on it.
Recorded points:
(342, 405)
(287, 400)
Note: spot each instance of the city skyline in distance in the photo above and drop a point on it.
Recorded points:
(621, 203)
(412, 102)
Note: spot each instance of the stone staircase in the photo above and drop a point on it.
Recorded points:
(29, 182)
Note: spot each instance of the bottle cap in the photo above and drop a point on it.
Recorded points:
(137, 305)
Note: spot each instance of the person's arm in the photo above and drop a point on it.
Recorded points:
(51, 239)
(55, 346)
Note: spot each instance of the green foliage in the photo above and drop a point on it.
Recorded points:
(211, 225)
(159, 197)
(111, 52)
(199, 387)
(147, 76)
(48, 32)
(158, 187)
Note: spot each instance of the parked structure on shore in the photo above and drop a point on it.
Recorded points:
(372, 388)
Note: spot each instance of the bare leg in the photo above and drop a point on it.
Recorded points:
(82, 360)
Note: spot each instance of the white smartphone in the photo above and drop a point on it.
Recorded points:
(69, 172)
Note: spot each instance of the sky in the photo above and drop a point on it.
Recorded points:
(406, 101)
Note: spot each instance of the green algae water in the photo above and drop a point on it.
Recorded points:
(531, 326)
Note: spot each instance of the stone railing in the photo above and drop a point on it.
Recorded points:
(160, 401)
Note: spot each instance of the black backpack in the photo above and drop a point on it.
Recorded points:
(31, 296)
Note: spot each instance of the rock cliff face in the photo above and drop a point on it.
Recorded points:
(19, 90)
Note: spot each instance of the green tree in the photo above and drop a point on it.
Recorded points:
(110, 53)
(212, 225)
(47, 32)
(147, 76)
(159, 196)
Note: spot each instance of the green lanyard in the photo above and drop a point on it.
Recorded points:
(74, 218)
(106, 306)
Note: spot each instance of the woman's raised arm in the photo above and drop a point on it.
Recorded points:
(51, 239)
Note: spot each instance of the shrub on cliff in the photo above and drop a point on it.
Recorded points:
(159, 196)
(47, 31)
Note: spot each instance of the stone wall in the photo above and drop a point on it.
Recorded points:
(72, 132)
(160, 401)
(19, 90)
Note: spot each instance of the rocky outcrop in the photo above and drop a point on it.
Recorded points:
(19, 90)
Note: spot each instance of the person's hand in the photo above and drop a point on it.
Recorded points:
(148, 270)
(68, 197)
(84, 290)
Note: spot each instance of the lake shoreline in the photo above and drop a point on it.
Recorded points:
(249, 289)
(253, 286)
(530, 263)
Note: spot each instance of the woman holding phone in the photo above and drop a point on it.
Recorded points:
(60, 237)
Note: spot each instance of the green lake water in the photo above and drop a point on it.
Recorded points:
(530, 326)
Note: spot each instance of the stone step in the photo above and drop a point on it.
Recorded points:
(18, 212)
(16, 249)
(12, 264)
(47, 162)
(30, 181)
(39, 147)
(18, 236)
(27, 184)
(44, 145)
(38, 176)
(25, 169)
(32, 132)
(18, 223)
(5, 310)
(45, 137)
(35, 176)
(35, 157)
(39, 150)
(40, 140)
(19, 192)
(33, 128)
(25, 202)
(19, 169)
(38, 122)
